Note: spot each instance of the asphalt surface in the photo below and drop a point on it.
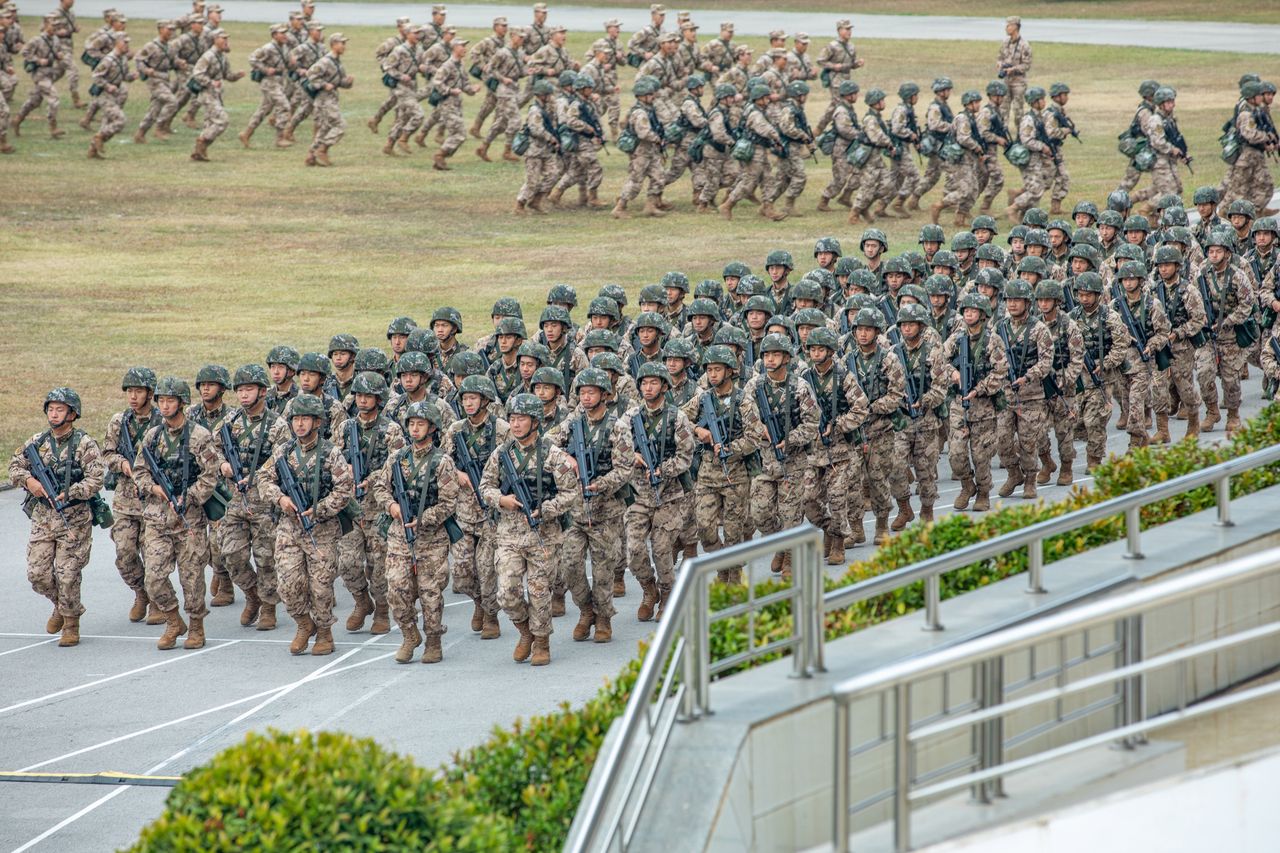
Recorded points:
(1188, 35)
(116, 703)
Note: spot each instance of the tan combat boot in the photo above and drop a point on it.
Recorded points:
(905, 515)
(54, 624)
(651, 207)
(966, 494)
(201, 152)
(541, 651)
(306, 630)
(961, 219)
(855, 217)
(662, 203)
(381, 622)
(1013, 213)
(363, 607)
(226, 592)
(155, 616)
(789, 206)
(322, 156)
(267, 617)
(898, 208)
(604, 629)
(768, 211)
(1212, 415)
(490, 630)
(1065, 476)
(525, 644)
(389, 148)
(173, 630)
(410, 638)
(477, 617)
(1092, 462)
(882, 530)
(913, 203)
(935, 212)
(244, 136)
(521, 208)
(586, 617)
(195, 637)
(420, 139)
(824, 205)
(140, 137)
(881, 211)
(54, 132)
(859, 533)
(70, 632)
(310, 159)
(1137, 440)
(557, 603)
(620, 583)
(620, 210)
(85, 122)
(776, 565)
(438, 162)
(324, 642)
(1011, 482)
(1046, 467)
(593, 199)
(982, 501)
(555, 195)
(535, 204)
(403, 144)
(475, 129)
(432, 653)
(1029, 489)
(649, 589)
(509, 156)
(926, 512)
(726, 209)
(835, 554)
(282, 140)
(483, 152)
(1055, 208)
(664, 598)
(1233, 422)
(986, 205)
(1193, 424)
(1162, 429)
(252, 604)
(138, 611)
(845, 199)
(372, 124)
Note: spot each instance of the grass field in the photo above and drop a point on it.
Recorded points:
(150, 258)
(1169, 10)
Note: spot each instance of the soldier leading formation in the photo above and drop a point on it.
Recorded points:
(738, 127)
(760, 402)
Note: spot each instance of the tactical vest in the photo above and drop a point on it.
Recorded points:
(315, 479)
(481, 440)
(175, 458)
(997, 123)
(1095, 331)
(979, 355)
(1175, 304)
(200, 415)
(947, 116)
(1041, 133)
(422, 489)
(974, 133)
(1142, 316)
(728, 125)
(1024, 349)
(730, 413)
(66, 468)
(829, 390)
(870, 374)
(532, 469)
(919, 362)
(136, 429)
(598, 443)
(254, 447)
(373, 442)
(1061, 352)
(1135, 126)
(664, 444)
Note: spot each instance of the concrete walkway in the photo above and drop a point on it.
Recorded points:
(1190, 35)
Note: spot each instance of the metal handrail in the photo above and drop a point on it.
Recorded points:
(930, 571)
(620, 781)
(1125, 610)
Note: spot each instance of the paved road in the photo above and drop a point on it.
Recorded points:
(1191, 35)
(115, 703)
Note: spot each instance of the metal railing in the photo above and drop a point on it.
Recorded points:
(921, 745)
(1032, 538)
(675, 678)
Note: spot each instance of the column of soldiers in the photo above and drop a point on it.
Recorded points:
(761, 402)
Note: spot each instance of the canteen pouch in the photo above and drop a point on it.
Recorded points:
(825, 78)
(476, 71)
(308, 88)
(826, 141)
(743, 150)
(1130, 145)
(929, 145)
(195, 88)
(452, 529)
(435, 98)
(858, 155)
(88, 60)
(1247, 333)
(627, 141)
(256, 76)
(216, 506)
(1231, 148)
(697, 148)
(30, 67)
(383, 524)
(520, 142)
(635, 60)
(109, 481)
(1145, 159)
(101, 511)
(390, 81)
(951, 152)
(348, 515)
(1164, 357)
(492, 84)
(673, 134)
(95, 90)
(1018, 154)
(568, 141)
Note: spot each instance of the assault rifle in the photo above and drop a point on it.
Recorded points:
(1210, 318)
(710, 420)
(44, 477)
(1135, 331)
(124, 446)
(293, 491)
(400, 495)
(520, 490)
(162, 480)
(359, 466)
(1091, 367)
(913, 384)
(230, 452)
(647, 452)
(966, 371)
(468, 464)
(770, 421)
(586, 460)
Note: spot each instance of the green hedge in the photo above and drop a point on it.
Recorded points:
(519, 790)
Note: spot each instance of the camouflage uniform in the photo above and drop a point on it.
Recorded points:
(403, 62)
(167, 539)
(541, 165)
(695, 116)
(330, 125)
(1249, 177)
(1185, 310)
(1024, 424)
(719, 169)
(1063, 409)
(906, 131)
(789, 180)
(777, 495)
(971, 439)
(658, 520)
(507, 62)
(1135, 389)
(58, 550)
(187, 50)
(271, 57)
(1104, 336)
(844, 407)
(1015, 59)
(249, 528)
(583, 166)
(756, 171)
(525, 558)
(1038, 173)
(845, 177)
(481, 57)
(66, 51)
(474, 574)
(1059, 127)
(961, 189)
(211, 419)
(451, 76)
(646, 160)
(938, 121)
(1161, 131)
(155, 62)
(882, 379)
(880, 179)
(43, 48)
(127, 508)
(432, 484)
(991, 129)
(210, 70)
(838, 59)
(1232, 302)
(305, 571)
(918, 447)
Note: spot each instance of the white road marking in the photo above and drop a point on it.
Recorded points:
(29, 646)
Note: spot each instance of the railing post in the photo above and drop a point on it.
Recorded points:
(802, 580)
(1133, 533)
(981, 732)
(902, 768)
(1035, 568)
(840, 786)
(690, 700)
(818, 623)
(1223, 489)
(933, 603)
(702, 612)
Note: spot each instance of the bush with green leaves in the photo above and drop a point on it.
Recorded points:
(519, 790)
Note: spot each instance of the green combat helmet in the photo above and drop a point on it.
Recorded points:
(1017, 289)
(869, 317)
(678, 348)
(942, 84)
(720, 354)
(554, 314)
(776, 343)
(905, 91)
(401, 326)
(704, 307)
(989, 278)
(779, 258)
(603, 306)
(563, 293)
(1168, 255)
(875, 96)
(1132, 269)
(251, 374)
(974, 300)
(424, 410)
(414, 362)
(139, 377)
(997, 88)
(343, 343)
(1090, 282)
(423, 340)
(709, 288)
(1088, 208)
(600, 339)
(1206, 195)
(616, 292)
(372, 358)
(910, 313)
(449, 315)
(536, 351)
(306, 405)
(757, 92)
(984, 222)
(931, 233)
(595, 378)
(173, 386)
(314, 362)
(735, 268)
(608, 361)
(678, 280)
(990, 252)
(1031, 264)
(1035, 93)
(478, 384)
(542, 88)
(972, 96)
(937, 285)
(370, 383)
(848, 87)
(507, 306)
(465, 364)
(69, 398)
(511, 326)
(964, 240)
(826, 244)
(286, 355)
(652, 369)
(527, 405)
(874, 234)
(547, 376)
(214, 373)
(1049, 289)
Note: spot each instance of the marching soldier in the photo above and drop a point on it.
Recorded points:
(583, 168)
(1249, 177)
(157, 59)
(306, 547)
(961, 188)
(1039, 171)
(879, 374)
(209, 75)
(322, 82)
(269, 66)
(938, 124)
(719, 169)
(40, 57)
(1185, 309)
(764, 137)
(537, 35)
(481, 56)
(1058, 127)
(692, 118)
(838, 60)
(644, 44)
(421, 477)
(1105, 344)
(403, 26)
(646, 158)
(187, 50)
(979, 375)
(540, 158)
(1230, 302)
(719, 52)
(61, 523)
(301, 58)
(1029, 346)
(1141, 368)
(1068, 363)
(212, 382)
(175, 523)
(110, 77)
(502, 74)
(993, 131)
(905, 129)
(878, 181)
(1169, 146)
(919, 445)
(449, 84)
(401, 66)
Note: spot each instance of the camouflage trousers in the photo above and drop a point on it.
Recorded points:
(409, 114)
(473, 571)
(71, 64)
(1164, 179)
(215, 115)
(1036, 176)
(582, 168)
(645, 164)
(126, 533)
(1012, 107)
(56, 557)
(4, 109)
(721, 507)
(788, 180)
(971, 444)
(843, 177)
(216, 559)
(42, 92)
(301, 105)
(306, 572)
(961, 188)
(1095, 414)
(8, 83)
(188, 551)
(540, 172)
(600, 539)
(720, 171)
(487, 106)
(874, 467)
(1063, 413)
(244, 535)
(613, 112)
(162, 106)
(1250, 178)
(878, 181)
(990, 178)
(274, 103)
(933, 170)
(1226, 367)
(1059, 180)
(1023, 428)
(449, 114)
(121, 97)
(1134, 393)
(506, 114)
(362, 560)
(330, 125)
(112, 115)
(405, 588)
(659, 527)
(679, 163)
(826, 491)
(916, 450)
(385, 107)
(1181, 378)
(777, 495)
(751, 175)
(526, 570)
(905, 178)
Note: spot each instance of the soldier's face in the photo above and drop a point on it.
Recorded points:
(341, 358)
(366, 402)
(247, 395)
(1018, 246)
(865, 336)
(676, 366)
(1238, 221)
(210, 392)
(1217, 255)
(757, 319)
(398, 343)
(986, 263)
(930, 247)
(57, 414)
(1083, 220)
(301, 425)
(1107, 233)
(471, 403)
(938, 301)
(138, 398)
(443, 329)
(717, 374)
(1135, 238)
(895, 280)
(613, 32)
(599, 321)
(1011, 30)
(1131, 285)
(1017, 307)
(652, 388)
(1079, 265)
(825, 259)
(777, 272)
(647, 335)
(1167, 271)
(1087, 298)
(731, 283)
(819, 355)
(872, 249)
(1056, 238)
(701, 322)
(1264, 239)
(545, 392)
(558, 39)
(590, 396)
(527, 366)
(674, 295)
(168, 406)
(420, 429)
(279, 373)
(554, 330)
(1035, 250)
(411, 381)
(507, 343)
(972, 316)
(309, 380)
(1047, 306)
